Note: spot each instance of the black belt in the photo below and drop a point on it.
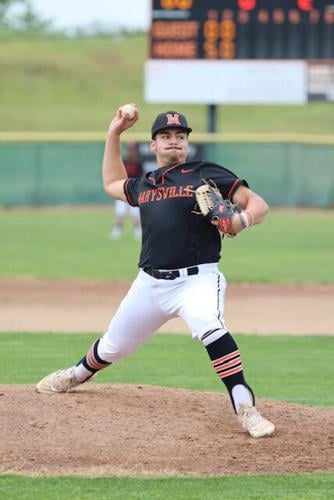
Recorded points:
(169, 275)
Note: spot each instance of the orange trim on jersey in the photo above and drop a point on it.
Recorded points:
(226, 357)
(152, 179)
(232, 188)
(168, 170)
(126, 191)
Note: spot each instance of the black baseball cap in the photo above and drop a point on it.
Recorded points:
(170, 119)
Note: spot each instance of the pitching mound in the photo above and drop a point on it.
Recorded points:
(136, 430)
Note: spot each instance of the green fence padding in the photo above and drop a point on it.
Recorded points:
(51, 173)
(285, 174)
(69, 173)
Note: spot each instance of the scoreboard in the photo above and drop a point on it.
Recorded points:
(242, 29)
(240, 51)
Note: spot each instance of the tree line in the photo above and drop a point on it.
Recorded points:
(18, 17)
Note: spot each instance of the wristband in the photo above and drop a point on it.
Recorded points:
(245, 219)
(250, 217)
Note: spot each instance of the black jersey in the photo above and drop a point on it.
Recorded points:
(173, 236)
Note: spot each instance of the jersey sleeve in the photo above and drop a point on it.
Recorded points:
(227, 181)
(131, 190)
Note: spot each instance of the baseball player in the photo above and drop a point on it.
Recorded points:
(178, 273)
(133, 169)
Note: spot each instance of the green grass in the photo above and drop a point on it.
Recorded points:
(291, 246)
(64, 243)
(76, 85)
(168, 360)
(277, 367)
(289, 486)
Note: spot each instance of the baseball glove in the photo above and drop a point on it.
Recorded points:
(213, 206)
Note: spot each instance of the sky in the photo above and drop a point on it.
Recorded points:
(79, 13)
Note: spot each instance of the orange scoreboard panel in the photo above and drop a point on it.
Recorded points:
(242, 29)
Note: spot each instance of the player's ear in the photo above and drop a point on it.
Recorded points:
(153, 145)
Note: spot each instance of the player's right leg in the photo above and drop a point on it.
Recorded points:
(137, 318)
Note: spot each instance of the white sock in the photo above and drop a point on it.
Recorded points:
(81, 373)
(241, 395)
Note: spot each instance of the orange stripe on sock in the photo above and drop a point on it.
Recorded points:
(225, 358)
(222, 371)
(231, 372)
(227, 365)
(92, 361)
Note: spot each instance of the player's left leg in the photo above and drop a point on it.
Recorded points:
(226, 361)
(203, 308)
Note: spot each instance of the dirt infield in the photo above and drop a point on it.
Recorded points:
(145, 430)
(135, 430)
(85, 306)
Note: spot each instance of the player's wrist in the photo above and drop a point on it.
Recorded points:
(113, 133)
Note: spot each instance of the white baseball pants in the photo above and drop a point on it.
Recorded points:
(150, 302)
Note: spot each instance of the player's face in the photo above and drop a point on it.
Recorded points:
(170, 146)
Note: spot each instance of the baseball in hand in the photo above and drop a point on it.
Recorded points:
(129, 110)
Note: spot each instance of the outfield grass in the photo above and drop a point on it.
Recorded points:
(76, 85)
(277, 367)
(291, 246)
(287, 487)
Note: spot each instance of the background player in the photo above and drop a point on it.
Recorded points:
(179, 273)
(133, 168)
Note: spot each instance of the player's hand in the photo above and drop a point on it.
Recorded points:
(236, 224)
(122, 122)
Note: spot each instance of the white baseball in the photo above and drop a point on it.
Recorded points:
(129, 110)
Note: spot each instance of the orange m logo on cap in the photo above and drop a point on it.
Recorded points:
(173, 119)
